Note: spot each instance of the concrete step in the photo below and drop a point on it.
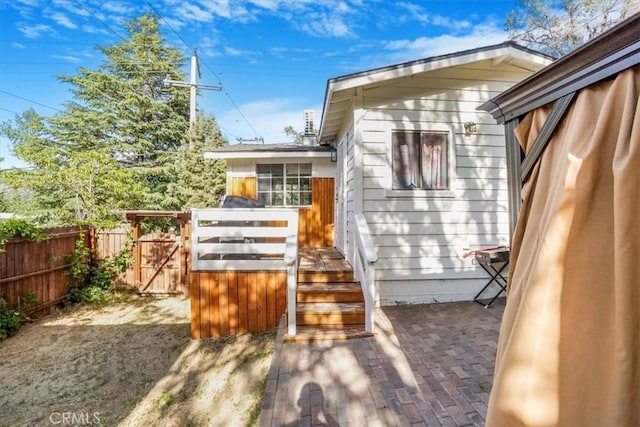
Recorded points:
(329, 292)
(342, 313)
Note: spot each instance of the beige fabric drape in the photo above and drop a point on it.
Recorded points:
(569, 347)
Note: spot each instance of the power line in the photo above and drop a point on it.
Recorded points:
(82, 5)
(226, 92)
(9, 111)
(30, 100)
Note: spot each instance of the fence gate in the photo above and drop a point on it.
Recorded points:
(160, 260)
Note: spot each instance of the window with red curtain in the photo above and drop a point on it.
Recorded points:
(420, 160)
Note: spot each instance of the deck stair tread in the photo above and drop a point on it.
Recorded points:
(324, 307)
(329, 287)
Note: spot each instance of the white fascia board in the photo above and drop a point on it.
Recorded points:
(227, 155)
(410, 69)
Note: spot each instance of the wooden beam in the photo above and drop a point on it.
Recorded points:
(514, 159)
(558, 111)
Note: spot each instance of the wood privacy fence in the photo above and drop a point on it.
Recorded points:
(40, 269)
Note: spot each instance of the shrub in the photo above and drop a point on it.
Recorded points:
(92, 283)
(19, 228)
(9, 320)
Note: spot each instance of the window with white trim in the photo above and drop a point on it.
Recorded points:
(287, 184)
(420, 160)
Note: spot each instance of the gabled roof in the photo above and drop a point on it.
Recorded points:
(341, 90)
(258, 151)
(606, 55)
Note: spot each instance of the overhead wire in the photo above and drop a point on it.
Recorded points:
(30, 100)
(225, 91)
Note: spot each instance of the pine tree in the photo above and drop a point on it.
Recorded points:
(121, 114)
(200, 183)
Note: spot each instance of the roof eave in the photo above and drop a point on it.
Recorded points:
(405, 69)
(232, 155)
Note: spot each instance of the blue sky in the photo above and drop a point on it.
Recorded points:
(273, 57)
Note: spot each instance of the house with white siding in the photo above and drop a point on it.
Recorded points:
(421, 170)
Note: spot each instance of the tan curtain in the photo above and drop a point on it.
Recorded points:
(569, 347)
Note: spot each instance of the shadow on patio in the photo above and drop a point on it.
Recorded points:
(427, 365)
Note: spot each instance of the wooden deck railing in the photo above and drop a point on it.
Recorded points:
(363, 261)
(241, 241)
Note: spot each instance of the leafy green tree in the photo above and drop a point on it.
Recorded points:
(200, 183)
(75, 187)
(557, 27)
(122, 115)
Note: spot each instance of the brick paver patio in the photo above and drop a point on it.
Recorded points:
(428, 365)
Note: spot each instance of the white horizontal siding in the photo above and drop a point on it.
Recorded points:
(435, 217)
(421, 241)
(444, 289)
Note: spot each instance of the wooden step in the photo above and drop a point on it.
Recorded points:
(327, 332)
(329, 292)
(341, 313)
(311, 276)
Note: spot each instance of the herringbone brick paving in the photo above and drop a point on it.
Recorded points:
(427, 365)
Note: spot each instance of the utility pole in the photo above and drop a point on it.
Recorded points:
(193, 85)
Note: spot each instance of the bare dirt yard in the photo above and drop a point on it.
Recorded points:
(131, 364)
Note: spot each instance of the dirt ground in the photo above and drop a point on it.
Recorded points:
(132, 364)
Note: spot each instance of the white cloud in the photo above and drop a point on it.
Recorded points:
(192, 12)
(424, 47)
(414, 12)
(232, 10)
(71, 7)
(34, 31)
(324, 25)
(67, 58)
(18, 45)
(120, 8)
(62, 19)
(452, 24)
(230, 51)
(94, 30)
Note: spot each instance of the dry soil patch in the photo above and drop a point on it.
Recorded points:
(132, 364)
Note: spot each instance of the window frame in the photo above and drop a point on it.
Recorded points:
(285, 177)
(391, 192)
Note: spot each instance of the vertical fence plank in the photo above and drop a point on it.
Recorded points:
(262, 300)
(206, 304)
(252, 287)
(233, 302)
(214, 325)
(223, 289)
(243, 307)
(271, 299)
(196, 298)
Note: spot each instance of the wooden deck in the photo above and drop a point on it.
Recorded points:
(322, 259)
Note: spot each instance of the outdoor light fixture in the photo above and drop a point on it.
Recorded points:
(334, 155)
(470, 128)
